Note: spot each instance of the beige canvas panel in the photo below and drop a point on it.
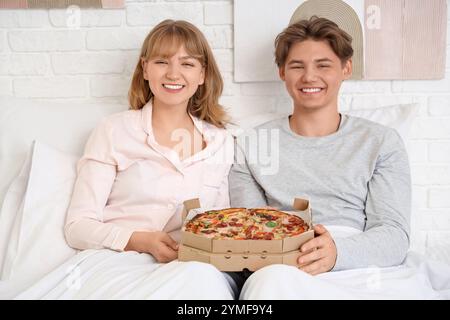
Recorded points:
(13, 4)
(34, 4)
(383, 58)
(410, 42)
(64, 3)
(113, 4)
(424, 43)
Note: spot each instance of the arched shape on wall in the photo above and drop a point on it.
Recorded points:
(345, 17)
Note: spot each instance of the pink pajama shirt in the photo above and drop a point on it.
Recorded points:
(128, 182)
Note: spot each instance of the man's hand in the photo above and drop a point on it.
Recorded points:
(159, 244)
(322, 255)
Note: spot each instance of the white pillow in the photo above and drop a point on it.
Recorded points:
(12, 204)
(37, 245)
(399, 117)
(63, 125)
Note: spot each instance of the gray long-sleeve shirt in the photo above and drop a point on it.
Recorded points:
(357, 177)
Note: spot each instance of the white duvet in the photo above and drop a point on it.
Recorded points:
(105, 274)
(416, 278)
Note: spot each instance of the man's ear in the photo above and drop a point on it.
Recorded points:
(144, 65)
(281, 73)
(348, 69)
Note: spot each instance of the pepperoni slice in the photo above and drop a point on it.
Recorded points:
(268, 236)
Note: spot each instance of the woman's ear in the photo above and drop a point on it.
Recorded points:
(202, 76)
(144, 67)
(348, 69)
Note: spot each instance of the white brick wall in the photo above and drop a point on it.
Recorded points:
(88, 18)
(438, 198)
(219, 37)
(55, 87)
(218, 13)
(88, 63)
(438, 105)
(224, 58)
(431, 128)
(2, 40)
(115, 39)
(418, 151)
(5, 87)
(109, 86)
(425, 86)
(48, 40)
(24, 64)
(439, 151)
(24, 19)
(149, 14)
(44, 55)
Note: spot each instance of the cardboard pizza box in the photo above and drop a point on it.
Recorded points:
(236, 261)
(236, 255)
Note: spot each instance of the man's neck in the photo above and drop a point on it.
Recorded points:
(315, 123)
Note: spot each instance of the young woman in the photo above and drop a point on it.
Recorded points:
(138, 168)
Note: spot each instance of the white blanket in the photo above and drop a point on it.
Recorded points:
(416, 278)
(105, 274)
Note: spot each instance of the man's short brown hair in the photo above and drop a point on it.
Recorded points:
(318, 29)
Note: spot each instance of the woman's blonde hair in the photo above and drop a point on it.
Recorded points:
(164, 41)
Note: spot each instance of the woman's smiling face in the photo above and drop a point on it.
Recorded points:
(174, 80)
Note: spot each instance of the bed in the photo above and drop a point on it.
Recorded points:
(40, 143)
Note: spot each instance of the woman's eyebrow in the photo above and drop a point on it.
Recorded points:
(186, 57)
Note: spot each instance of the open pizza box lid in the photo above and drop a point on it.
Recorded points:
(301, 208)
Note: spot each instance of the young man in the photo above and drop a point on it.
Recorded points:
(355, 172)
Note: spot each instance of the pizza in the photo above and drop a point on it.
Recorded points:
(246, 224)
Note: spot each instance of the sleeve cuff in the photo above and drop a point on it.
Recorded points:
(121, 241)
(342, 250)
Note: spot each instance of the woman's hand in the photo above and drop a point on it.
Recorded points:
(159, 244)
(322, 255)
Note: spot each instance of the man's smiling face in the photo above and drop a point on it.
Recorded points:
(313, 74)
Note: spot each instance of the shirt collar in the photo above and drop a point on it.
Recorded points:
(147, 112)
(213, 136)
